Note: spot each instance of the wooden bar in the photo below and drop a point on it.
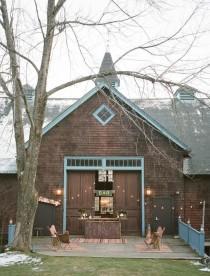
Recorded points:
(102, 228)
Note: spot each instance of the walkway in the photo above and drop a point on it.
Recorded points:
(172, 248)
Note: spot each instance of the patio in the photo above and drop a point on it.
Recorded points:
(129, 247)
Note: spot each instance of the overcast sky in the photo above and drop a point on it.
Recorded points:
(78, 51)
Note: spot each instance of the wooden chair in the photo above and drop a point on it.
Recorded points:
(65, 239)
(157, 237)
(54, 237)
(59, 240)
(148, 239)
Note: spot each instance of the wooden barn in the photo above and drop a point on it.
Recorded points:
(146, 161)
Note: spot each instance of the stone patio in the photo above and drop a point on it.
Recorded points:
(134, 247)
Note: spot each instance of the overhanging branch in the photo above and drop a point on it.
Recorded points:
(124, 73)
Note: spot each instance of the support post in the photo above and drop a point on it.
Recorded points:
(64, 195)
(142, 200)
(11, 234)
(202, 243)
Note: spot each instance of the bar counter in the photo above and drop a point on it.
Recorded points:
(103, 228)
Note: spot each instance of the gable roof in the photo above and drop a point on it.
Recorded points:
(187, 121)
(190, 122)
(133, 106)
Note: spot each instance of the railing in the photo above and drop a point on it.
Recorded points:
(193, 237)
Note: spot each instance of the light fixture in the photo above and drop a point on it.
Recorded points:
(148, 191)
(58, 191)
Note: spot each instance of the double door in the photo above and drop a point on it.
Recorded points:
(126, 197)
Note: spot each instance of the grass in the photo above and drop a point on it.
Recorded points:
(63, 266)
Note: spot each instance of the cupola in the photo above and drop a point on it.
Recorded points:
(107, 66)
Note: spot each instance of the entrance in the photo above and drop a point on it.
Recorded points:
(163, 214)
(104, 196)
(81, 175)
(45, 216)
(127, 198)
(79, 196)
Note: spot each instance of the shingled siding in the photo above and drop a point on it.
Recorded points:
(8, 199)
(80, 134)
(197, 190)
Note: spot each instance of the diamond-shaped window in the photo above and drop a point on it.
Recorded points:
(103, 114)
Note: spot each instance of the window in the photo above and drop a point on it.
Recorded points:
(103, 114)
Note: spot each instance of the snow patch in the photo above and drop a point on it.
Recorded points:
(196, 263)
(12, 258)
(206, 269)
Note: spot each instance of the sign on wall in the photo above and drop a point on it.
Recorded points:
(104, 192)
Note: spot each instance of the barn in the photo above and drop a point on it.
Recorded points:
(105, 156)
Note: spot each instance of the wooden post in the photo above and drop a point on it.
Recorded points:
(203, 216)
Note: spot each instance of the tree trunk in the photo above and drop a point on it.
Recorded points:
(27, 159)
(27, 193)
(26, 209)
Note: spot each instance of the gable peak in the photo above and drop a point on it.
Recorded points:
(107, 66)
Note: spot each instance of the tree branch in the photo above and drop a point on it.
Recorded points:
(58, 6)
(91, 24)
(40, 23)
(161, 42)
(19, 54)
(5, 89)
(125, 73)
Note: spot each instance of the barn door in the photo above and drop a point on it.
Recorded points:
(45, 216)
(163, 214)
(127, 195)
(79, 196)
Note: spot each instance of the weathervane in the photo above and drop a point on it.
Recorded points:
(107, 40)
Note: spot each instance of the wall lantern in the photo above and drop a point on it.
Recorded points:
(148, 191)
(58, 191)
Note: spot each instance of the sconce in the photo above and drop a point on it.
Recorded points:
(148, 191)
(58, 191)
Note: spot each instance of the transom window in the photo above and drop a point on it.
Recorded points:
(103, 114)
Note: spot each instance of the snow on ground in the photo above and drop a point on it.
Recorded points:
(11, 258)
(196, 263)
(206, 269)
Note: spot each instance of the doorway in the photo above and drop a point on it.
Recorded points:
(163, 214)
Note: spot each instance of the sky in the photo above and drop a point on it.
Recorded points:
(78, 50)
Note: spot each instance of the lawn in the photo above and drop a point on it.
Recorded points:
(63, 266)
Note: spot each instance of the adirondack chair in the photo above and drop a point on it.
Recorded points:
(65, 240)
(148, 239)
(157, 237)
(54, 236)
(154, 239)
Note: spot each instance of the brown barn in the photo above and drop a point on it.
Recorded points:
(103, 155)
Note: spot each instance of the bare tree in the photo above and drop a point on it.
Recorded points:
(11, 83)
